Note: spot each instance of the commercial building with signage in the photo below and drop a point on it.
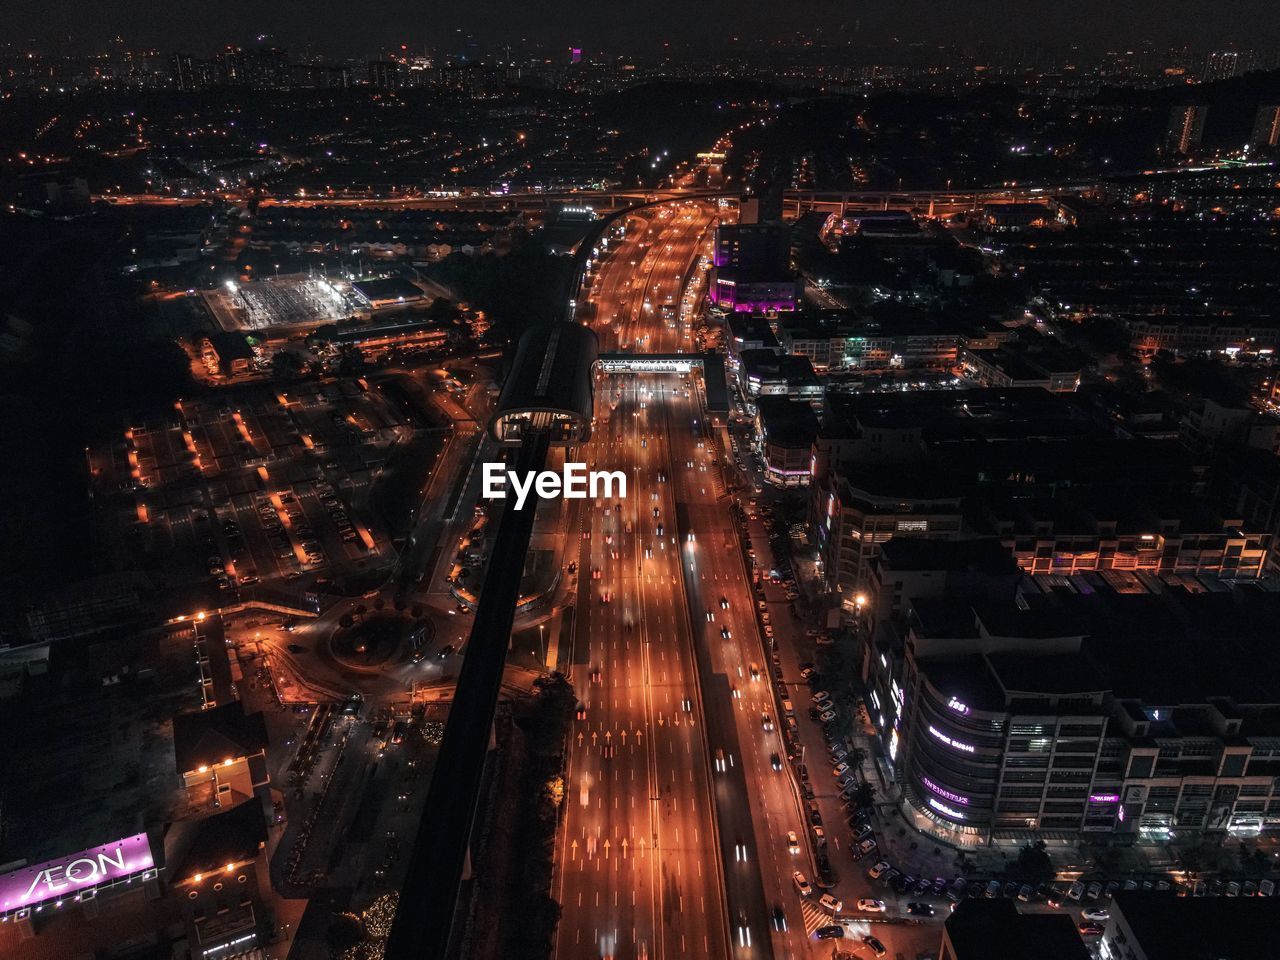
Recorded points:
(1096, 708)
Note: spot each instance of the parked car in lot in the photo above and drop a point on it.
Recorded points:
(878, 870)
(830, 904)
(1076, 890)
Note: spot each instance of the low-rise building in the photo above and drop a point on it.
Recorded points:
(763, 373)
(786, 429)
(995, 930)
(1161, 926)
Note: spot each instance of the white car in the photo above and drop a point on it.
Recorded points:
(840, 769)
(801, 883)
(830, 903)
(867, 905)
(880, 869)
(793, 842)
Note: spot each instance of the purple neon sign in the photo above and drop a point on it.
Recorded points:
(945, 794)
(65, 876)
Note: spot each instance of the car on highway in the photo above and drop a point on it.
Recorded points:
(581, 711)
(724, 603)
(754, 670)
(875, 946)
(802, 883)
(793, 842)
(779, 918)
(766, 722)
(869, 905)
(775, 761)
(595, 674)
(832, 931)
(710, 616)
(830, 904)
(595, 573)
(724, 632)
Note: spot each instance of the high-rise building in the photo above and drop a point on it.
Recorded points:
(1186, 127)
(384, 74)
(1266, 126)
(1223, 65)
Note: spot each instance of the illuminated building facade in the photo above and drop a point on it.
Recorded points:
(1086, 716)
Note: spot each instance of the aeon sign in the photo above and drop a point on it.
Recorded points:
(81, 871)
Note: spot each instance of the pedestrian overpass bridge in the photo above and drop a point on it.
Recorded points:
(711, 365)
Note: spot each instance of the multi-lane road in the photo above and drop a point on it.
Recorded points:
(675, 840)
(638, 869)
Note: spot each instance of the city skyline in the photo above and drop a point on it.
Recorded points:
(642, 29)
(793, 493)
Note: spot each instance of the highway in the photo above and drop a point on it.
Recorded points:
(638, 871)
(693, 879)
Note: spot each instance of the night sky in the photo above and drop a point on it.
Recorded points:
(633, 26)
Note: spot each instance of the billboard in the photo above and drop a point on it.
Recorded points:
(69, 875)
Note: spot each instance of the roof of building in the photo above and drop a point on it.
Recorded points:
(209, 737)
(747, 329)
(950, 415)
(786, 421)
(1147, 646)
(233, 836)
(1169, 927)
(230, 346)
(389, 288)
(995, 930)
(766, 363)
(983, 555)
